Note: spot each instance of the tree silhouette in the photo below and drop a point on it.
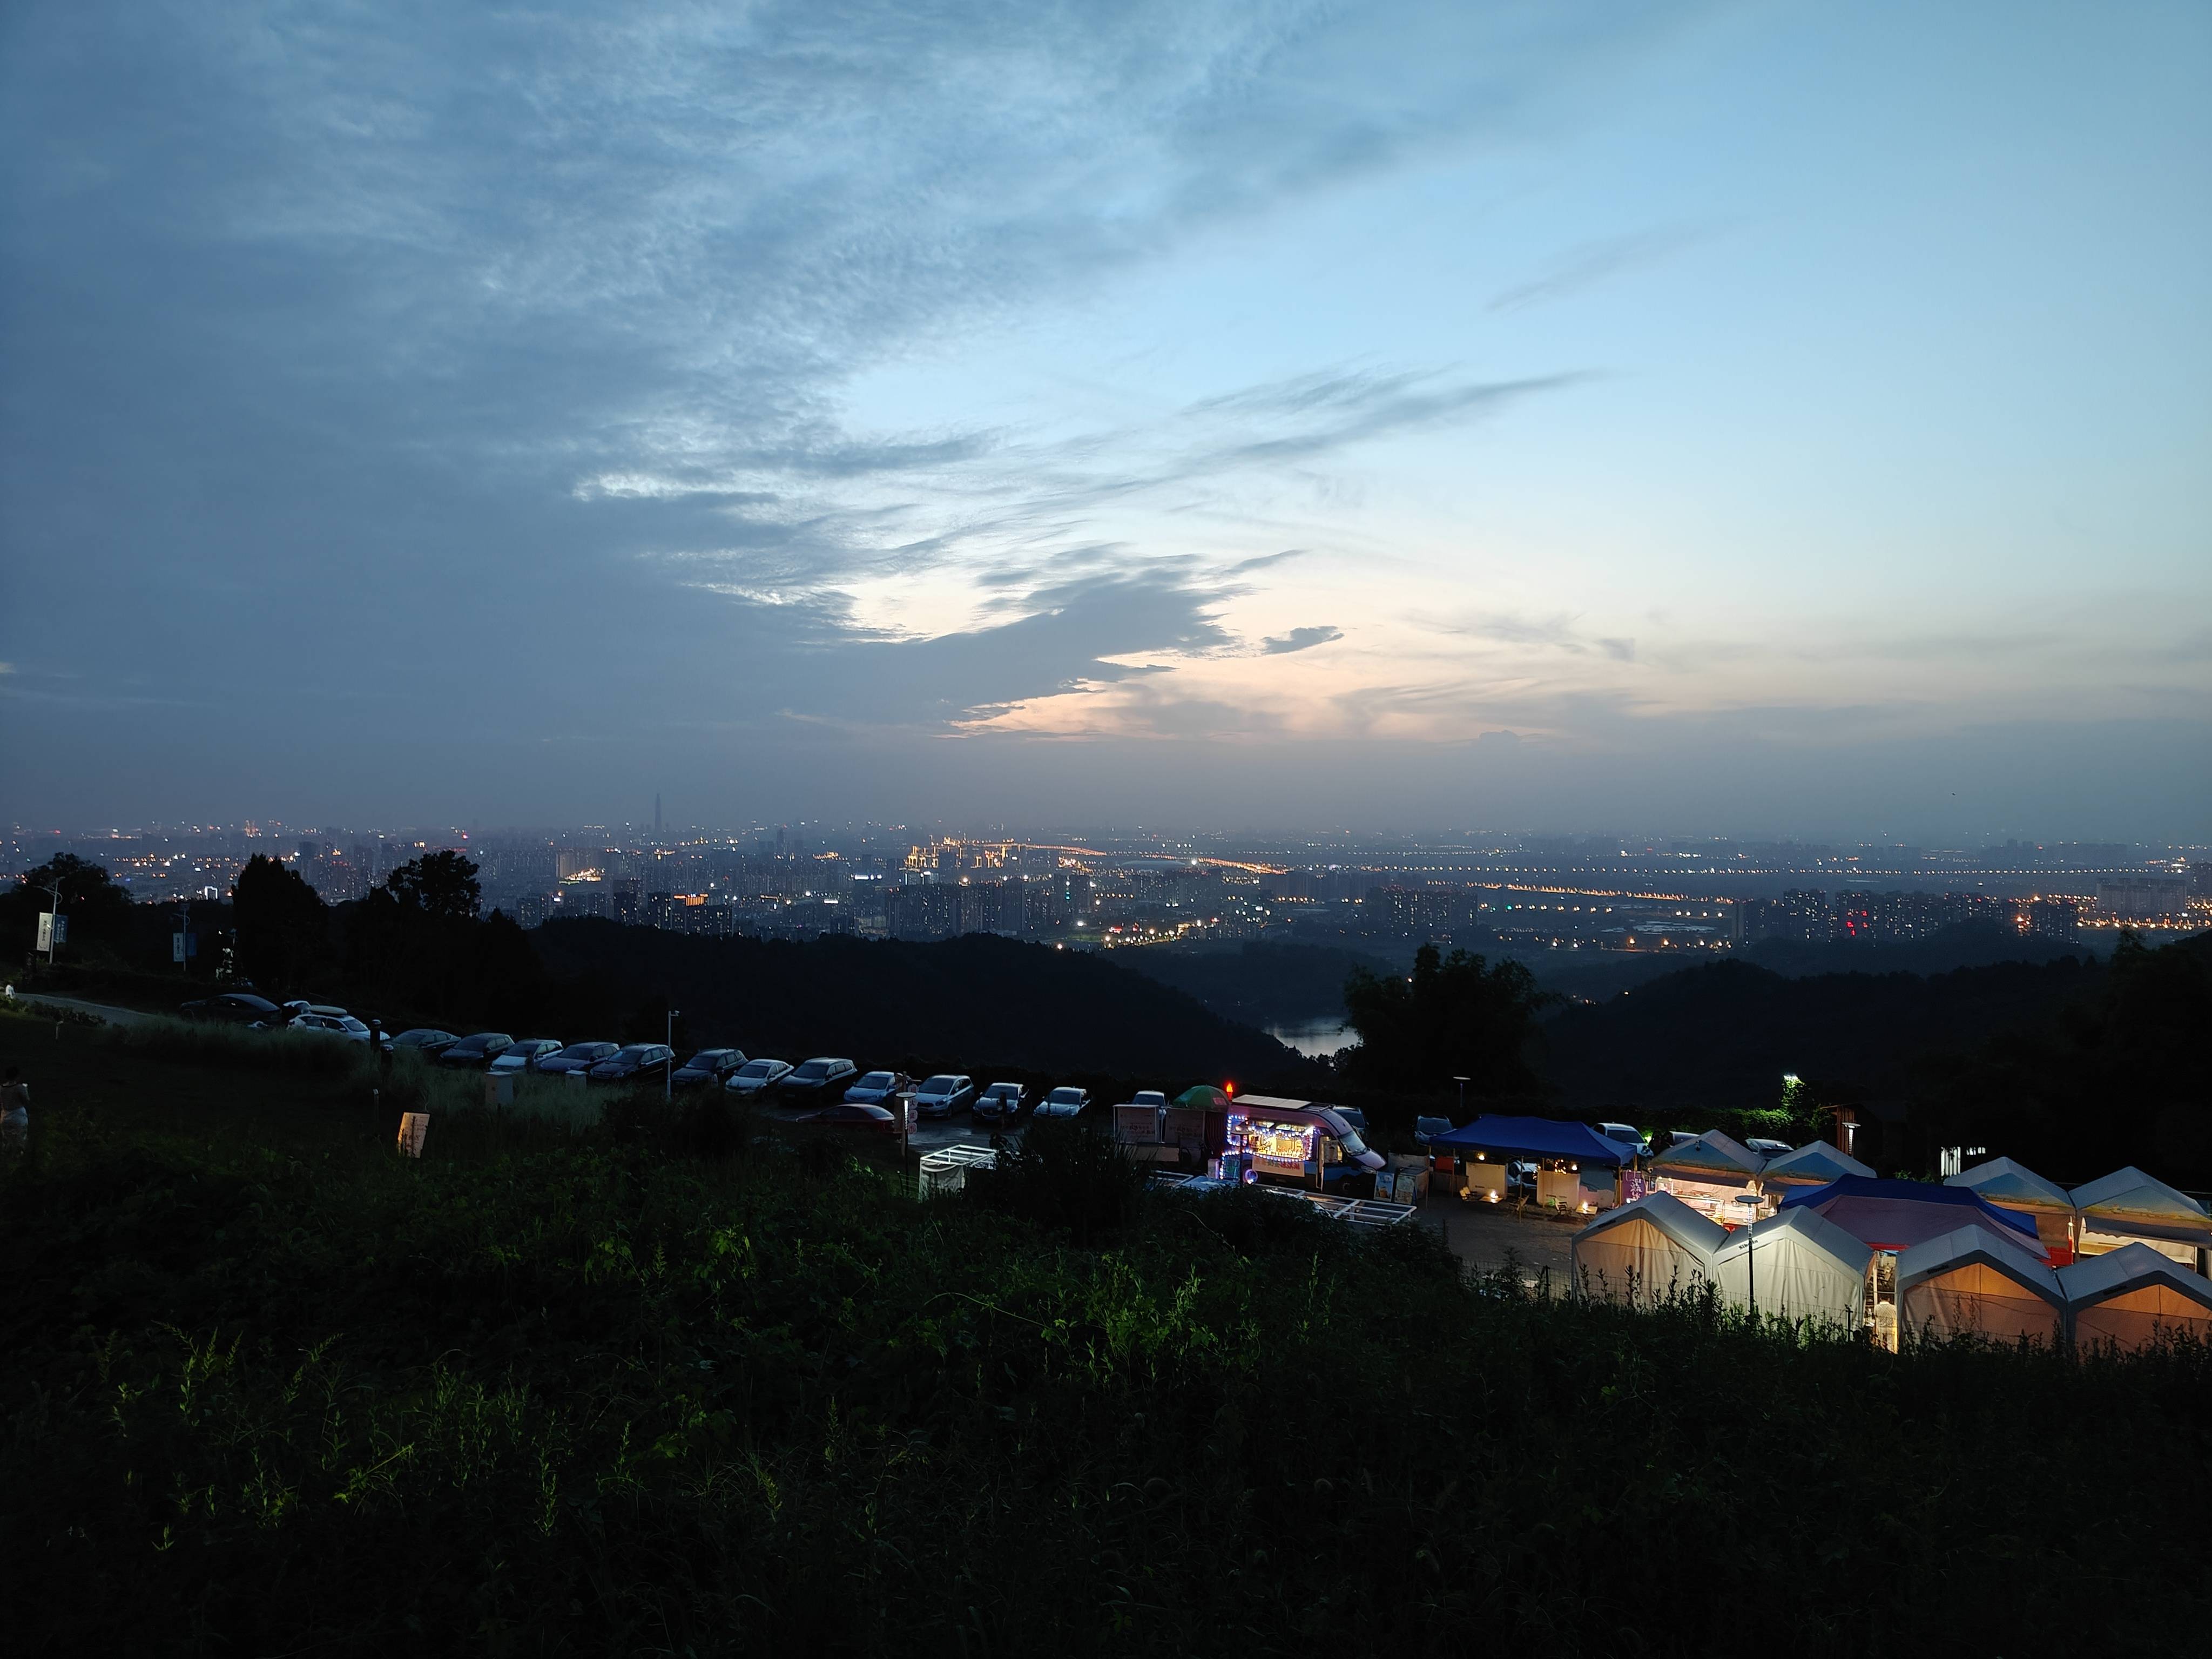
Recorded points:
(282, 925)
(442, 885)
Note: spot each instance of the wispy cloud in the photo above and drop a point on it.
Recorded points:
(1594, 263)
(1300, 639)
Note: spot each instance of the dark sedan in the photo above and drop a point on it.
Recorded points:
(234, 1007)
(874, 1088)
(577, 1058)
(478, 1051)
(853, 1116)
(625, 1065)
(819, 1076)
(709, 1065)
(425, 1039)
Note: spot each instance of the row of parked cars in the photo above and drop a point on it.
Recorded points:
(854, 1098)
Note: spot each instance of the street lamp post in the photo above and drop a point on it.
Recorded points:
(1751, 1249)
(1463, 1093)
(668, 1066)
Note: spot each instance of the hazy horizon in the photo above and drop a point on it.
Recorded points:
(1709, 416)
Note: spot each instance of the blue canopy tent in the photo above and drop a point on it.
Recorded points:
(1895, 1215)
(1534, 1138)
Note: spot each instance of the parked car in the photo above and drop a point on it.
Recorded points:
(337, 1025)
(632, 1061)
(231, 1007)
(478, 1051)
(527, 1056)
(1353, 1115)
(1067, 1101)
(945, 1094)
(1425, 1126)
(1002, 1103)
(852, 1114)
(878, 1088)
(577, 1058)
(820, 1077)
(1628, 1135)
(1769, 1148)
(426, 1039)
(758, 1077)
(709, 1065)
(1156, 1099)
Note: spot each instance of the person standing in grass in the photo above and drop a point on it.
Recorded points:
(15, 1115)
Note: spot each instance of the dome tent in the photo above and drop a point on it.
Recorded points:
(1712, 1158)
(2128, 1207)
(1974, 1282)
(2012, 1186)
(1813, 1164)
(1797, 1263)
(1895, 1215)
(1643, 1252)
(2126, 1297)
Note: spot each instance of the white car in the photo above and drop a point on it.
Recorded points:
(1628, 1135)
(944, 1095)
(1067, 1101)
(757, 1076)
(337, 1025)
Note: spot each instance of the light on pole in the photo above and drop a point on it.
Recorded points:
(1750, 1248)
(668, 1066)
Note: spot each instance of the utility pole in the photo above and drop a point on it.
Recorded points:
(1463, 1093)
(668, 1066)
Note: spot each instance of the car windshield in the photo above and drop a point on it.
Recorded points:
(758, 1068)
(940, 1085)
(1003, 1090)
(474, 1043)
(707, 1057)
(635, 1051)
(812, 1069)
(876, 1081)
(1066, 1096)
(1352, 1145)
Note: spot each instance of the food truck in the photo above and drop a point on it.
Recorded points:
(1297, 1142)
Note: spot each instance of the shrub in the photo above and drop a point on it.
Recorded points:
(1064, 1175)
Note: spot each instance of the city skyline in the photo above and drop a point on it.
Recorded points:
(1709, 416)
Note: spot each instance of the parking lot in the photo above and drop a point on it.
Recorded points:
(1486, 1236)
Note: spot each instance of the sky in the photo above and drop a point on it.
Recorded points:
(1717, 418)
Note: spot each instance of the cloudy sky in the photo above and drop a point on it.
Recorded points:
(1709, 418)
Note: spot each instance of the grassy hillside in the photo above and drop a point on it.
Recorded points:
(967, 1002)
(557, 1389)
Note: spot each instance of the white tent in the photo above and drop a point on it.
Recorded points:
(1813, 1164)
(1973, 1282)
(1642, 1251)
(2125, 1297)
(2128, 1207)
(1796, 1263)
(2014, 1186)
(1708, 1173)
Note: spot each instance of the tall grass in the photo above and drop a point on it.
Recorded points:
(562, 1387)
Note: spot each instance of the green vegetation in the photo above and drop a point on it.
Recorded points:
(1455, 1016)
(666, 1383)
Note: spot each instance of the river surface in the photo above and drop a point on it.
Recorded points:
(1315, 1037)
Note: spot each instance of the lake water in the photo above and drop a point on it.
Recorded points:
(1315, 1037)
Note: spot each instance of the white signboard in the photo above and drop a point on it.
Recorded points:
(414, 1126)
(45, 930)
(176, 947)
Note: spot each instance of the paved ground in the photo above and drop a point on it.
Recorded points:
(1483, 1235)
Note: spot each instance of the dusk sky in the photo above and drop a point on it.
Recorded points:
(1730, 419)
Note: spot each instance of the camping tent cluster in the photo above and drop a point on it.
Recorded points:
(1895, 1256)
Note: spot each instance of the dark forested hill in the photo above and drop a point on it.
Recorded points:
(1723, 1035)
(973, 1001)
(1261, 984)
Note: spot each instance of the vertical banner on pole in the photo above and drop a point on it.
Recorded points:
(413, 1127)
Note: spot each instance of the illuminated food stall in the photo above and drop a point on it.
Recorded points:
(2129, 1207)
(1641, 1253)
(1576, 1166)
(1971, 1281)
(1709, 1174)
(2016, 1188)
(2128, 1297)
(1297, 1140)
